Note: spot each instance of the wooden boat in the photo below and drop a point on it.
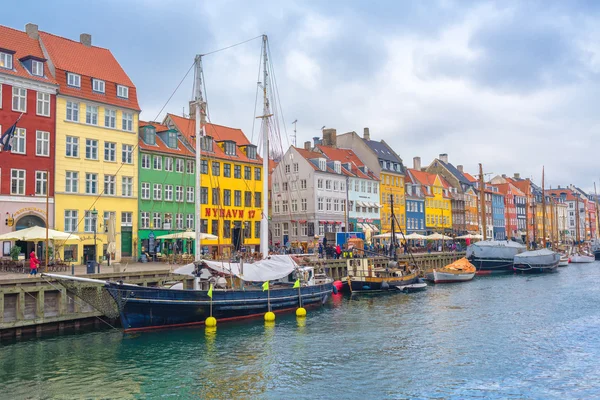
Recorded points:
(578, 258)
(536, 262)
(363, 277)
(459, 271)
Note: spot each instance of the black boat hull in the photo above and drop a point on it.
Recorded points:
(369, 286)
(535, 269)
(487, 266)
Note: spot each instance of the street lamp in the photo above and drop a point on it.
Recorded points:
(95, 222)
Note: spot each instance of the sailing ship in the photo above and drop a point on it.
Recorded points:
(223, 290)
(363, 277)
(459, 271)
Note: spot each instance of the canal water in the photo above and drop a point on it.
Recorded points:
(503, 337)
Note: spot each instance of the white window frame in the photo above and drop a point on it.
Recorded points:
(146, 161)
(168, 192)
(145, 191)
(91, 182)
(73, 80)
(157, 191)
(42, 143)
(110, 151)
(110, 188)
(179, 194)
(127, 154)
(126, 218)
(92, 146)
(169, 164)
(98, 85)
(122, 91)
(41, 178)
(88, 221)
(19, 143)
(127, 186)
(157, 220)
(20, 95)
(189, 196)
(6, 60)
(37, 68)
(72, 113)
(145, 219)
(71, 182)
(127, 121)
(91, 114)
(20, 176)
(110, 118)
(43, 104)
(71, 220)
(157, 163)
(189, 221)
(179, 165)
(72, 142)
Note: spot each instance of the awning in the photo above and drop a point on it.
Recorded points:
(361, 226)
(359, 203)
(302, 221)
(378, 205)
(375, 228)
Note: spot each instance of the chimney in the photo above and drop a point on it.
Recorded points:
(417, 163)
(85, 39)
(504, 176)
(32, 31)
(444, 157)
(316, 141)
(307, 145)
(330, 137)
(517, 175)
(366, 134)
(460, 168)
(192, 109)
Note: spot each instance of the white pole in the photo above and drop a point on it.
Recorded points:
(198, 131)
(264, 222)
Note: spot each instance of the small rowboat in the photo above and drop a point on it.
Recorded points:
(459, 271)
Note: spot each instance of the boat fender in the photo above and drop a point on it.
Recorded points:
(385, 285)
(335, 289)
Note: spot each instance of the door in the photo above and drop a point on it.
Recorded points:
(126, 241)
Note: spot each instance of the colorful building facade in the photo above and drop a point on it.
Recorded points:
(438, 210)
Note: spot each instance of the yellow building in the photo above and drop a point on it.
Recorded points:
(438, 208)
(392, 185)
(231, 177)
(96, 149)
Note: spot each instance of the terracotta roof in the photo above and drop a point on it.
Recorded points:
(469, 177)
(347, 156)
(23, 46)
(187, 126)
(308, 154)
(89, 62)
(504, 187)
(161, 146)
(427, 179)
(557, 192)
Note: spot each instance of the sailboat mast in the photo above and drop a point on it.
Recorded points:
(552, 218)
(578, 216)
(596, 195)
(393, 246)
(199, 119)
(264, 221)
(482, 201)
(543, 210)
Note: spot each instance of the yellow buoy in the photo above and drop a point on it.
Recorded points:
(301, 312)
(210, 322)
(270, 316)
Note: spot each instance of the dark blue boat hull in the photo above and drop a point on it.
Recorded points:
(144, 308)
(364, 286)
(486, 266)
(535, 269)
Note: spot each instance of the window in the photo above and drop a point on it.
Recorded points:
(91, 114)
(168, 192)
(17, 181)
(98, 85)
(91, 183)
(178, 221)
(157, 163)
(336, 205)
(247, 173)
(179, 165)
(6, 60)
(179, 193)
(230, 148)
(328, 205)
(190, 194)
(237, 171)
(215, 227)
(320, 184)
(127, 154)
(203, 194)
(216, 196)
(127, 122)
(206, 143)
(126, 218)
(276, 209)
(227, 170)
(320, 204)
(294, 229)
(146, 161)
(110, 118)
(42, 143)
(285, 186)
(19, 141)
(41, 183)
(71, 182)
(37, 68)
(110, 151)
(157, 220)
(277, 230)
(287, 169)
(303, 205)
(226, 229)
(328, 184)
(227, 197)
(237, 198)
(109, 185)
(189, 166)
(321, 229)
(145, 191)
(189, 221)
(72, 111)
(294, 205)
(73, 79)
(145, 219)
(88, 222)
(91, 149)
(216, 168)
(157, 191)
(43, 104)
(168, 164)
(172, 140)
(127, 186)
(343, 206)
(336, 186)
(303, 184)
(123, 91)
(247, 199)
(257, 229)
(71, 217)
(257, 199)
(19, 99)
(257, 174)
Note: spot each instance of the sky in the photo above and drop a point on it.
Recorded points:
(512, 85)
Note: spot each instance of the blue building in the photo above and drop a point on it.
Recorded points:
(498, 215)
(415, 207)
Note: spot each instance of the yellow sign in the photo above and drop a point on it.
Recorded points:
(29, 209)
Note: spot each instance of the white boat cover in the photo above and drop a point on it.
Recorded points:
(537, 257)
(273, 268)
(498, 249)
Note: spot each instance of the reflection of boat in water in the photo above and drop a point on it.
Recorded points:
(363, 277)
(413, 287)
(536, 262)
(494, 256)
(459, 271)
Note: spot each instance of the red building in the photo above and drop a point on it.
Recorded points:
(27, 171)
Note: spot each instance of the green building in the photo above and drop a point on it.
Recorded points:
(166, 189)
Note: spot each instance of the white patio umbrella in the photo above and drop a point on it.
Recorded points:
(36, 233)
(188, 235)
(415, 236)
(387, 236)
(470, 236)
(112, 237)
(437, 236)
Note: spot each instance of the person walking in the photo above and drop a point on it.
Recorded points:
(33, 263)
(338, 251)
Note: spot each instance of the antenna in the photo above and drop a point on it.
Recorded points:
(294, 135)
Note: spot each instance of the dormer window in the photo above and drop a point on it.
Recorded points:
(6, 60)
(206, 143)
(322, 164)
(172, 140)
(251, 152)
(123, 91)
(230, 148)
(150, 135)
(98, 85)
(337, 167)
(73, 80)
(37, 68)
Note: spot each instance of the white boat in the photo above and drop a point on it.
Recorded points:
(564, 261)
(581, 258)
(459, 271)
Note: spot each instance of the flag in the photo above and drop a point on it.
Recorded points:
(296, 284)
(209, 294)
(7, 138)
(266, 286)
